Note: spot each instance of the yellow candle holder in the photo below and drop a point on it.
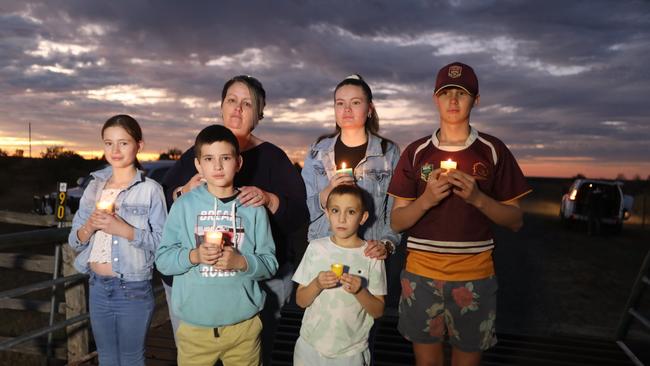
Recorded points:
(337, 268)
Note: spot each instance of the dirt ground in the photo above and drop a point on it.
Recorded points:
(554, 280)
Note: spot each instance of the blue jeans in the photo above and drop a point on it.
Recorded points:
(120, 314)
(172, 317)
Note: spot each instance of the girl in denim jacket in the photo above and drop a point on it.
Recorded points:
(371, 157)
(116, 232)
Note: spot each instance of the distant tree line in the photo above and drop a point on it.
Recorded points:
(171, 154)
(59, 152)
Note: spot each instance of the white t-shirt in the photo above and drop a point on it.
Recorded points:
(335, 324)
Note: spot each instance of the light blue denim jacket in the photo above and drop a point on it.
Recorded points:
(142, 205)
(373, 174)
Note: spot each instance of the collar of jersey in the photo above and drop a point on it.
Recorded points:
(473, 135)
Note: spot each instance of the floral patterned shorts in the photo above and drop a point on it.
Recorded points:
(463, 310)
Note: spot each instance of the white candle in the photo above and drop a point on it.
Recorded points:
(447, 165)
(213, 237)
(345, 170)
(105, 206)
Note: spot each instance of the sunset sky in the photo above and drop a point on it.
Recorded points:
(565, 84)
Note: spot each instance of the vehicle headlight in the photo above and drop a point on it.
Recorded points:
(573, 195)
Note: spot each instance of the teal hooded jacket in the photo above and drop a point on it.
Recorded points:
(202, 295)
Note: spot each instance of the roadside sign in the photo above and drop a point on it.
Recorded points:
(60, 202)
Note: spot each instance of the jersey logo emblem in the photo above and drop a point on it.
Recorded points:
(480, 171)
(455, 71)
(425, 171)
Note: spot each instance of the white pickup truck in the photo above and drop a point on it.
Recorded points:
(596, 202)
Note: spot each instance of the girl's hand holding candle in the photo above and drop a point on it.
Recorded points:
(447, 165)
(345, 170)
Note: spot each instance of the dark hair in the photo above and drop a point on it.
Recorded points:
(372, 122)
(350, 189)
(130, 125)
(258, 95)
(212, 134)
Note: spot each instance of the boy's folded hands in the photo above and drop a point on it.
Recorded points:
(438, 187)
(328, 279)
(351, 283)
(229, 258)
(220, 258)
(465, 186)
(207, 253)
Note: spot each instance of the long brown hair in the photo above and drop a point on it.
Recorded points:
(372, 122)
(130, 125)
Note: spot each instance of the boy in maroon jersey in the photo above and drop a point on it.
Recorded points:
(448, 188)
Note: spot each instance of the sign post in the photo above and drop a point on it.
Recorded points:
(59, 214)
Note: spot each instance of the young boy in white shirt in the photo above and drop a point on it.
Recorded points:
(340, 307)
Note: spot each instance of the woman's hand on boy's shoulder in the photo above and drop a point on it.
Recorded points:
(194, 182)
(376, 250)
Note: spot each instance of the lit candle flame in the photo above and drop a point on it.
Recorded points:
(213, 237)
(105, 206)
(343, 165)
(448, 165)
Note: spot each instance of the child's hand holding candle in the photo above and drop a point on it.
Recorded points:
(345, 170)
(214, 238)
(447, 165)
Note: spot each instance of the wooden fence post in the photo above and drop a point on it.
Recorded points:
(643, 214)
(75, 301)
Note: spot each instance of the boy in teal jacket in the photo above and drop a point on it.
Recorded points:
(217, 250)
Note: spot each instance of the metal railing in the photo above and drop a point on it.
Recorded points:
(55, 236)
(642, 283)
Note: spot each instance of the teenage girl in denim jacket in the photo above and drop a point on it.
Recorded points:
(371, 157)
(116, 232)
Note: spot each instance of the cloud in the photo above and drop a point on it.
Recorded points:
(557, 79)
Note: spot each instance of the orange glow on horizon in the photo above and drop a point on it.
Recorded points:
(556, 167)
(590, 169)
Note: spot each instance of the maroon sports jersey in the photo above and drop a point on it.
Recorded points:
(453, 221)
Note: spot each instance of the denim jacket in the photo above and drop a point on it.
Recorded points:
(142, 205)
(372, 174)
